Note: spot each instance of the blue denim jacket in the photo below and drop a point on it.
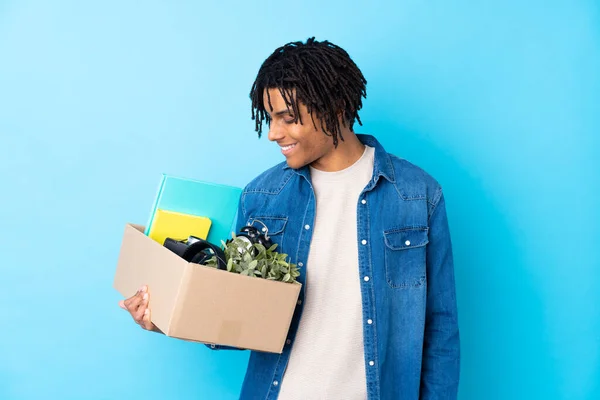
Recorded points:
(410, 325)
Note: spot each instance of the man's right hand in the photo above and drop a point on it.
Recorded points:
(137, 305)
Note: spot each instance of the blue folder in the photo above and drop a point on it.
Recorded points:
(215, 201)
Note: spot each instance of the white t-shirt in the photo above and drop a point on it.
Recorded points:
(327, 359)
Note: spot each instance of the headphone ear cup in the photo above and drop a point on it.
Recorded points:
(193, 250)
(175, 246)
(201, 251)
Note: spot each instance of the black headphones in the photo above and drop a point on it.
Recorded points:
(199, 251)
(196, 250)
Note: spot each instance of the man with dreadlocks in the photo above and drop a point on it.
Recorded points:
(376, 317)
(377, 314)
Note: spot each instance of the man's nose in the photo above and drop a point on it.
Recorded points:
(275, 133)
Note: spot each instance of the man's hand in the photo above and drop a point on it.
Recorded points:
(137, 305)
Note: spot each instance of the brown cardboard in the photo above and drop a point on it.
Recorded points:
(193, 302)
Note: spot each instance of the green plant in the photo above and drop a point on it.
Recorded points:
(256, 260)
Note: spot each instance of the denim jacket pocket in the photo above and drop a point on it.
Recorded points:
(405, 251)
(274, 227)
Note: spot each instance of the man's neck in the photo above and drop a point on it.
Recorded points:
(346, 154)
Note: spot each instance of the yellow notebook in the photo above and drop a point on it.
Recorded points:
(178, 226)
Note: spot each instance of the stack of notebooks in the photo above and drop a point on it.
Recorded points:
(186, 207)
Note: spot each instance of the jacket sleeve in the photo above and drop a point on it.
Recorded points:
(441, 347)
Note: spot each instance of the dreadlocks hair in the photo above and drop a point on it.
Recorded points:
(320, 75)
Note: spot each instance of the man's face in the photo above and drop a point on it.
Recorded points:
(301, 144)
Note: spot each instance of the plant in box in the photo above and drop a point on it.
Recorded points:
(254, 259)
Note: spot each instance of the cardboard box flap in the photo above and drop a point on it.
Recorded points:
(142, 262)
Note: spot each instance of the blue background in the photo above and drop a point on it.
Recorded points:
(499, 100)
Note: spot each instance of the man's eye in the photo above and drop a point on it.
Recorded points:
(289, 120)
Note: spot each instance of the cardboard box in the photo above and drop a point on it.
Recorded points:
(193, 302)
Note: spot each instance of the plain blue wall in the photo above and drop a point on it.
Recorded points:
(499, 100)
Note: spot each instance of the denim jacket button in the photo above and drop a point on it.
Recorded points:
(369, 321)
(307, 227)
(364, 242)
(275, 383)
(407, 243)
(364, 201)
(371, 363)
(366, 279)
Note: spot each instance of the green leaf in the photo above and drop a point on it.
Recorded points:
(256, 260)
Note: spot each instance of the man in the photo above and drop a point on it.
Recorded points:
(377, 313)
